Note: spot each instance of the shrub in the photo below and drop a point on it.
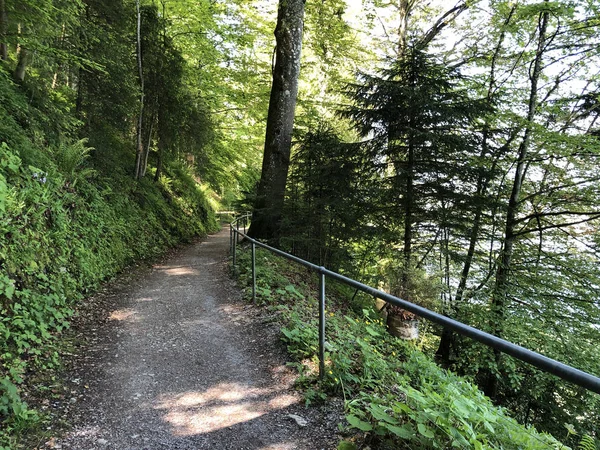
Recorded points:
(394, 393)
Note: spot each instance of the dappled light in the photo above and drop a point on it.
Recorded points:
(126, 314)
(200, 198)
(221, 406)
(178, 271)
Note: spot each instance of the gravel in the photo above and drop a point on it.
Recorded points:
(172, 358)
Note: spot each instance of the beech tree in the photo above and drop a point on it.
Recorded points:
(268, 207)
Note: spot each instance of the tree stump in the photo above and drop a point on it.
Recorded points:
(403, 324)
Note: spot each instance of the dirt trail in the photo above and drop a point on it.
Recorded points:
(182, 363)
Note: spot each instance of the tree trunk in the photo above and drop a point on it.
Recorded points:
(3, 31)
(22, 64)
(404, 9)
(60, 46)
(268, 206)
(498, 302)
(139, 157)
(159, 162)
(147, 149)
(447, 341)
(408, 212)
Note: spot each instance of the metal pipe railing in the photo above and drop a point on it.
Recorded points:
(564, 371)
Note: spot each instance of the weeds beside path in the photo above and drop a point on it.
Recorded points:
(182, 363)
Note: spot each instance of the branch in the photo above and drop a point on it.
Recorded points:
(557, 213)
(558, 188)
(558, 225)
(441, 23)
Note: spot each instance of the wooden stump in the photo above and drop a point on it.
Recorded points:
(404, 328)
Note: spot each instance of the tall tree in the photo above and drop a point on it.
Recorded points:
(480, 199)
(139, 153)
(499, 295)
(268, 207)
(3, 31)
(420, 123)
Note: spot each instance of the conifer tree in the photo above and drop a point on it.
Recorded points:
(418, 123)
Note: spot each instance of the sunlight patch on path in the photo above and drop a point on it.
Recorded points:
(280, 446)
(127, 314)
(221, 406)
(178, 271)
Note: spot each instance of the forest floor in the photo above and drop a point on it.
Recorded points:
(170, 357)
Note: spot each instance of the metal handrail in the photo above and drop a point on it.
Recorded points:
(564, 371)
(244, 218)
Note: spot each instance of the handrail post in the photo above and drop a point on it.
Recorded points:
(321, 323)
(253, 272)
(234, 248)
(237, 236)
(245, 221)
(230, 239)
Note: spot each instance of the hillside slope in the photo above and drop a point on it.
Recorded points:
(71, 216)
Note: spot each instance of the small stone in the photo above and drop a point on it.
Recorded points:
(102, 441)
(299, 420)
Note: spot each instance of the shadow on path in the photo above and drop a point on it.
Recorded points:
(182, 363)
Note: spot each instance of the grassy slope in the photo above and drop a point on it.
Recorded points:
(70, 217)
(396, 397)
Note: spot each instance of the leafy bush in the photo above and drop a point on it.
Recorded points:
(60, 238)
(394, 393)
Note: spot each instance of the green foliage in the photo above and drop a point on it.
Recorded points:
(60, 236)
(329, 192)
(587, 443)
(71, 158)
(393, 392)
(426, 205)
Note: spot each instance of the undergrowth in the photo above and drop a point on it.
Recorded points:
(395, 396)
(64, 228)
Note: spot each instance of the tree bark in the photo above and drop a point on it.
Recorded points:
(22, 64)
(159, 162)
(3, 31)
(408, 212)
(139, 158)
(60, 45)
(266, 217)
(498, 302)
(404, 9)
(147, 149)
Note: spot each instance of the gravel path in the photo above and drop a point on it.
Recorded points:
(182, 363)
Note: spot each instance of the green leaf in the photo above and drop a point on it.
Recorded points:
(346, 445)
(425, 431)
(372, 332)
(379, 413)
(357, 423)
(404, 432)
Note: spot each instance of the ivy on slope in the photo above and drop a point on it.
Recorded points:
(395, 396)
(64, 228)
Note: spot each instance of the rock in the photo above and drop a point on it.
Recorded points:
(102, 441)
(299, 420)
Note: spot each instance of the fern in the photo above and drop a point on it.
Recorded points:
(587, 443)
(71, 157)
